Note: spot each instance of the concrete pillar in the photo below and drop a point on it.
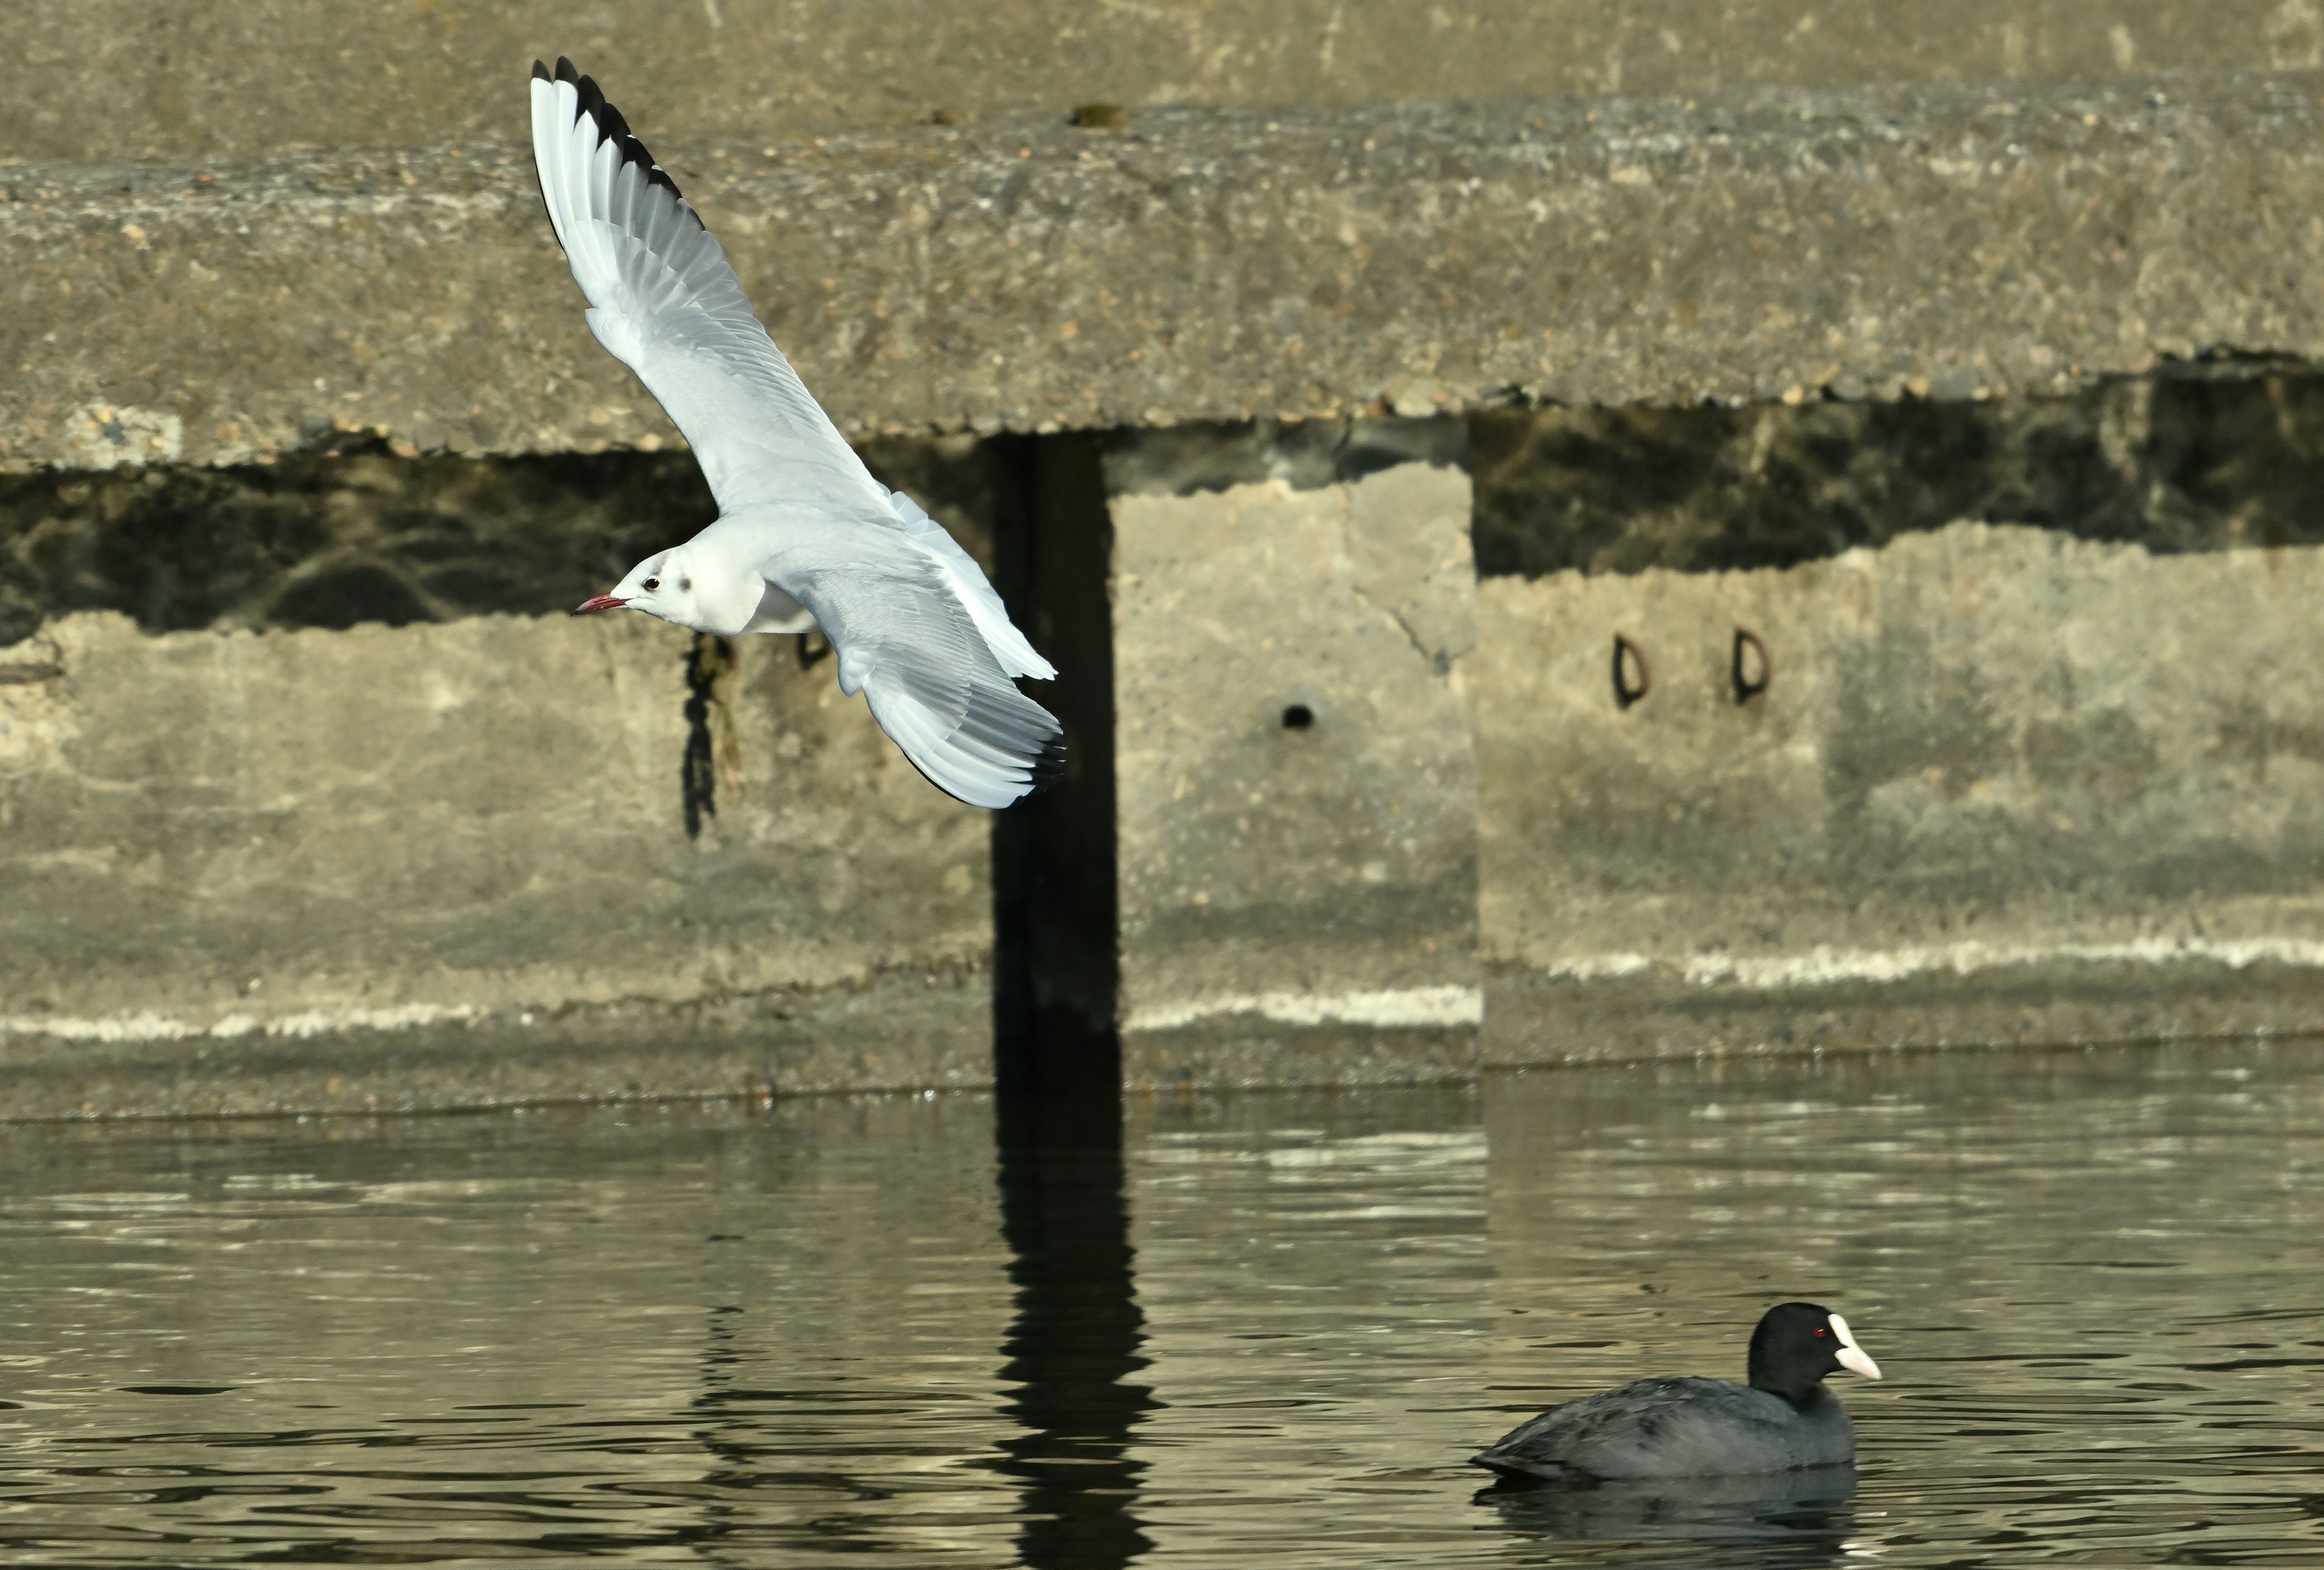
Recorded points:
(1296, 790)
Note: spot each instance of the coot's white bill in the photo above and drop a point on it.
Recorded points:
(1852, 1357)
(804, 536)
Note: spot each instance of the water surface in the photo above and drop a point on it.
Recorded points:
(1259, 1330)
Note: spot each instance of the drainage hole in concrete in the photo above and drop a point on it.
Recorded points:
(1298, 717)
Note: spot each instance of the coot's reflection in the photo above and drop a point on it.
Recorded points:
(1074, 1342)
(1771, 1522)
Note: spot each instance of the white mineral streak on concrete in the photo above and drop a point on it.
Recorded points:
(1824, 966)
(153, 1027)
(1427, 1008)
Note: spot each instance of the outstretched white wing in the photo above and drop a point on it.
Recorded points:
(907, 639)
(665, 301)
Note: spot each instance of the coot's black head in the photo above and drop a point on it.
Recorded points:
(1797, 1343)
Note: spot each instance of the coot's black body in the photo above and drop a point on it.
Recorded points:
(1782, 1419)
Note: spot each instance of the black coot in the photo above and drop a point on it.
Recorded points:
(1782, 1419)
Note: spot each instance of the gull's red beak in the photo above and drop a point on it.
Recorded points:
(602, 603)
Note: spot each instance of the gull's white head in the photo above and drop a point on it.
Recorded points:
(662, 585)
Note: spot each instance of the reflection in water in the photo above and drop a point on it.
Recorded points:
(1317, 1292)
(720, 1435)
(1074, 1342)
(637, 1335)
(1787, 1521)
(825, 1333)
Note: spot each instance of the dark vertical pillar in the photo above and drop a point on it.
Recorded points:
(1057, 958)
(1074, 1340)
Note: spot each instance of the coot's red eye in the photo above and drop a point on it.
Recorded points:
(1819, 1330)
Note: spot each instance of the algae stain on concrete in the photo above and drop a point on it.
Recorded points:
(714, 748)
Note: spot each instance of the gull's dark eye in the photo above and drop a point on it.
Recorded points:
(655, 583)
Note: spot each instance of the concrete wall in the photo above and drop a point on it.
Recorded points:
(1297, 792)
(464, 848)
(2001, 785)
(308, 797)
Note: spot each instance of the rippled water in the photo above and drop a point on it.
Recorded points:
(1268, 1329)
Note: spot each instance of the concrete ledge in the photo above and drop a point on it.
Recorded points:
(1544, 1019)
(1248, 1051)
(908, 1031)
(1952, 240)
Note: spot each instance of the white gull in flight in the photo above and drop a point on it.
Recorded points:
(804, 536)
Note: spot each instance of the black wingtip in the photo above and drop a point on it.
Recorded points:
(1049, 767)
(612, 127)
(540, 72)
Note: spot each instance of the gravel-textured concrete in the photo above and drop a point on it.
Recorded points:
(1999, 785)
(101, 80)
(1955, 240)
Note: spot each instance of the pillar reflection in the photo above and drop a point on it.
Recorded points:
(1072, 1347)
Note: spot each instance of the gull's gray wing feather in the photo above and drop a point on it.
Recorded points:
(974, 590)
(665, 301)
(906, 639)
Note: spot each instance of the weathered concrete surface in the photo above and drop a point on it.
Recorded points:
(1296, 807)
(442, 864)
(2002, 785)
(112, 77)
(1956, 240)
